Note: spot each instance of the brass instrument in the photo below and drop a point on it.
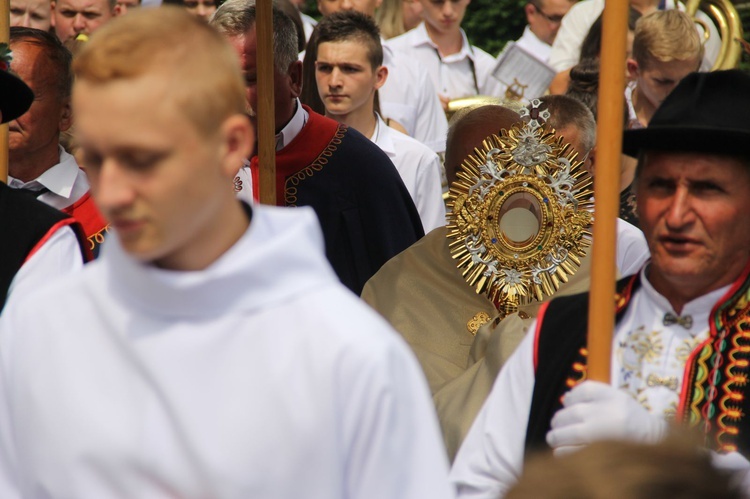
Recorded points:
(728, 22)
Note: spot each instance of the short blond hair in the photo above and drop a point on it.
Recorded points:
(664, 36)
(199, 66)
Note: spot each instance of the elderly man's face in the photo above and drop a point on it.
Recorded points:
(287, 86)
(38, 130)
(693, 210)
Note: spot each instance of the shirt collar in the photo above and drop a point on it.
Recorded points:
(422, 37)
(534, 43)
(59, 179)
(293, 128)
(382, 137)
(697, 307)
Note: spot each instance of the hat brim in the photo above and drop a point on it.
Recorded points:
(687, 139)
(15, 97)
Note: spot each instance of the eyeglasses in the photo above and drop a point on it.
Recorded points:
(552, 19)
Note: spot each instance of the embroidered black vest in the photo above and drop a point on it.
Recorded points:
(23, 223)
(714, 396)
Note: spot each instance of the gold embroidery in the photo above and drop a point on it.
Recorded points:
(480, 319)
(290, 190)
(97, 238)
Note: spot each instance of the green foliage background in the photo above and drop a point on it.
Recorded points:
(490, 24)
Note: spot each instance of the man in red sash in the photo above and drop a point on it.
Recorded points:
(37, 162)
(366, 212)
(681, 345)
(37, 243)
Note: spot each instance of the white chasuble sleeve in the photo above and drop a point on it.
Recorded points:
(392, 444)
(490, 459)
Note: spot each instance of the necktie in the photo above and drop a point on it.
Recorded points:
(32, 193)
(685, 321)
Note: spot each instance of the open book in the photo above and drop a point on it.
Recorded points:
(524, 76)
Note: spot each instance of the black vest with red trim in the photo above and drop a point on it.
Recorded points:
(715, 395)
(25, 224)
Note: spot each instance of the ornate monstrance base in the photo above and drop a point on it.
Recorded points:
(520, 216)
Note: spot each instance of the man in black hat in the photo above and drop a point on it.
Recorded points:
(681, 345)
(36, 241)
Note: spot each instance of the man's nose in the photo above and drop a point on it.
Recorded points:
(111, 187)
(680, 211)
(25, 21)
(79, 23)
(335, 80)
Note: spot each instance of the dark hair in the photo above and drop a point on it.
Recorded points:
(309, 95)
(584, 82)
(592, 43)
(58, 56)
(352, 25)
(288, 8)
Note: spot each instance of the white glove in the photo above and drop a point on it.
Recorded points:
(596, 411)
(736, 465)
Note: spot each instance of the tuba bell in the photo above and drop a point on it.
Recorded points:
(728, 22)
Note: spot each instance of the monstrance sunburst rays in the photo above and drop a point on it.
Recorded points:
(520, 216)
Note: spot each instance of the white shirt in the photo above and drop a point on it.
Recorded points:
(491, 458)
(409, 97)
(632, 248)
(58, 256)
(293, 128)
(308, 24)
(419, 168)
(66, 182)
(566, 49)
(243, 181)
(260, 376)
(452, 75)
(533, 45)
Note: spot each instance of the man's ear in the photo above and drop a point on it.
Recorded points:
(295, 78)
(238, 135)
(117, 10)
(381, 75)
(590, 164)
(529, 10)
(66, 117)
(633, 68)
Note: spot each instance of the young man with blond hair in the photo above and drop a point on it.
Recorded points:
(666, 48)
(210, 351)
(349, 71)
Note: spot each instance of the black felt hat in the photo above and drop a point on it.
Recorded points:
(706, 112)
(15, 96)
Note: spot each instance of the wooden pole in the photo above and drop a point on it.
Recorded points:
(4, 38)
(266, 123)
(607, 188)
